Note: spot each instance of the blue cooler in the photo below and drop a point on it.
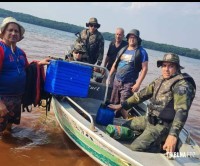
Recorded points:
(105, 115)
(67, 79)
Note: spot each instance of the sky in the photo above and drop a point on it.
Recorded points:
(173, 23)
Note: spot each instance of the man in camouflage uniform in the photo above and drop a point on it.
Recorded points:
(76, 54)
(93, 41)
(170, 97)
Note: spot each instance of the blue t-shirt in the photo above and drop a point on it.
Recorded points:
(126, 71)
(12, 71)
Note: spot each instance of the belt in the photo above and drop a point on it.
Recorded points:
(154, 120)
(164, 122)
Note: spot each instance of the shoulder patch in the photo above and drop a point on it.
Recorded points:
(182, 90)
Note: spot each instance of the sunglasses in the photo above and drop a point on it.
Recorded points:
(77, 52)
(93, 25)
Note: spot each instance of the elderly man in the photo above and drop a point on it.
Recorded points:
(114, 47)
(170, 97)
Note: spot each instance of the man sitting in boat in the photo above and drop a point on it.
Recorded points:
(76, 54)
(170, 97)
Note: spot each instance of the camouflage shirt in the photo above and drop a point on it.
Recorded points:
(168, 100)
(94, 44)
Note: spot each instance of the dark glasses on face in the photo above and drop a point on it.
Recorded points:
(77, 52)
(93, 25)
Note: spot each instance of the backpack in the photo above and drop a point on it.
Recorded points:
(137, 59)
(34, 88)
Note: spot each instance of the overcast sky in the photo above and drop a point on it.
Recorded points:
(175, 23)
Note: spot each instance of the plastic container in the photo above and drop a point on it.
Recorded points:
(67, 79)
(120, 132)
(105, 116)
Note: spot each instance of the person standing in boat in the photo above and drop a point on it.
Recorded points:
(76, 54)
(13, 63)
(170, 97)
(131, 66)
(113, 49)
(93, 42)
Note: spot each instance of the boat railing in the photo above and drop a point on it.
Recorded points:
(92, 126)
(188, 139)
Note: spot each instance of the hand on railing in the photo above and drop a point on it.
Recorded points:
(96, 69)
(108, 81)
(55, 58)
(103, 71)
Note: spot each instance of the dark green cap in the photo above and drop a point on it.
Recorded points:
(79, 48)
(170, 57)
(93, 21)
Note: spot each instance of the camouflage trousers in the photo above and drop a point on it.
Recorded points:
(150, 137)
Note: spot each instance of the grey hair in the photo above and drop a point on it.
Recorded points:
(119, 28)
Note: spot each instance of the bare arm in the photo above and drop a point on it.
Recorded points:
(106, 61)
(45, 61)
(141, 77)
(113, 69)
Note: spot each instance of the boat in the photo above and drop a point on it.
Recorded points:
(77, 118)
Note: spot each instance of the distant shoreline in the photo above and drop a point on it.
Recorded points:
(187, 52)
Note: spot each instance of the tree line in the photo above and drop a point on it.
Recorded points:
(192, 53)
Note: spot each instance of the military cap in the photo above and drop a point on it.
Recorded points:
(94, 22)
(170, 57)
(79, 48)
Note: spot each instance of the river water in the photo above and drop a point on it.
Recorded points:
(38, 140)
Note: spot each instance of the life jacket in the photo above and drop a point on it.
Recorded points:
(34, 89)
(137, 59)
(162, 103)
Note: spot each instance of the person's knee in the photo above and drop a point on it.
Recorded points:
(138, 147)
(141, 147)
(146, 142)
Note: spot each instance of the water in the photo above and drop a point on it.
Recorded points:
(38, 140)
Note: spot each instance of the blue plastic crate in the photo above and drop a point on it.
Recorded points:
(67, 79)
